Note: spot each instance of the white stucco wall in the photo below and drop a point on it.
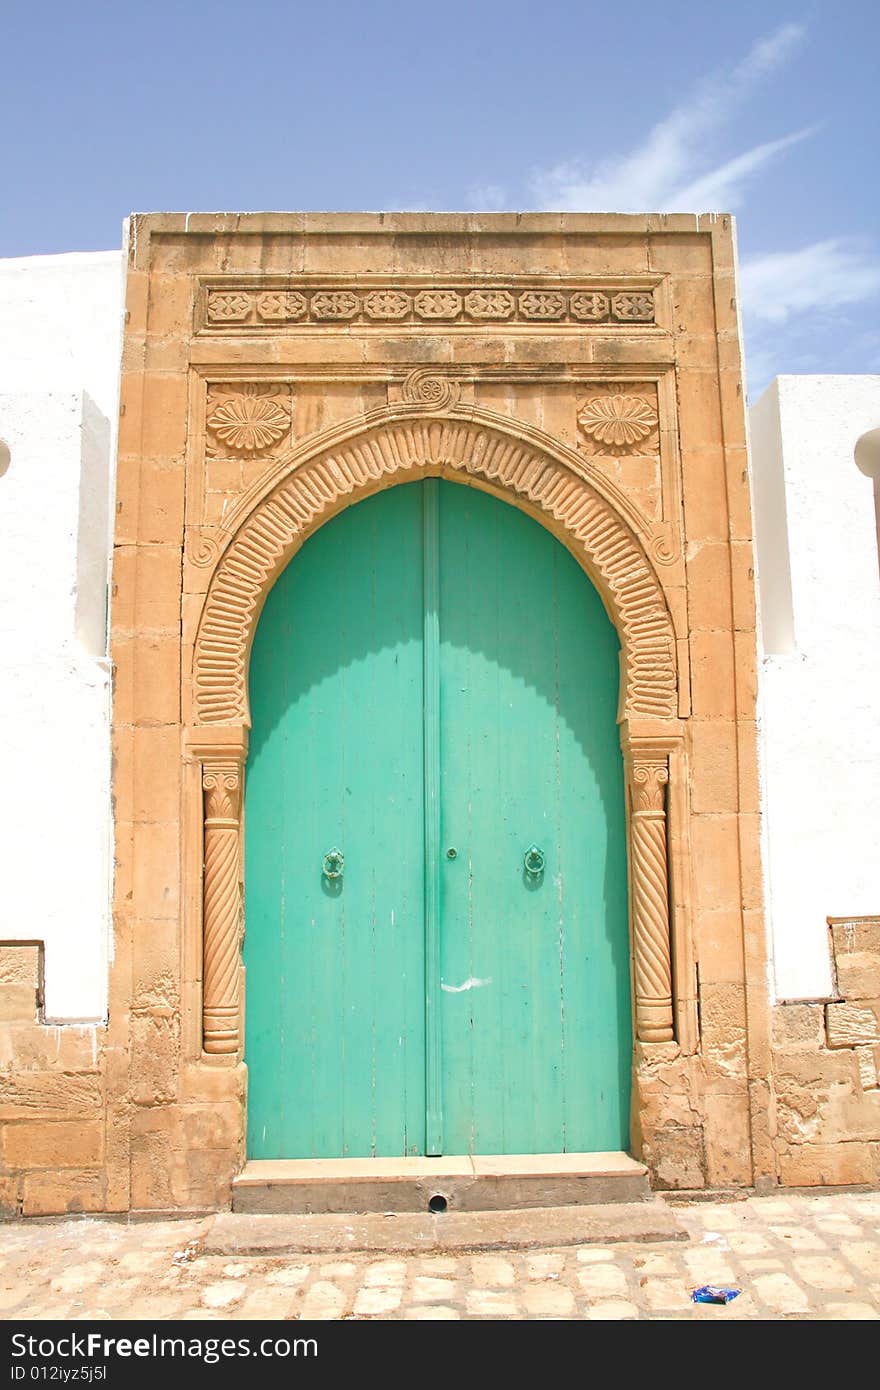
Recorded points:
(60, 335)
(819, 591)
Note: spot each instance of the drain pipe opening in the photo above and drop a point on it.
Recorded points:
(437, 1203)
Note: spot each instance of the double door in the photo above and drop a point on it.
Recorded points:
(436, 911)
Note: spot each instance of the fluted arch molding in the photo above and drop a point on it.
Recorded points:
(305, 490)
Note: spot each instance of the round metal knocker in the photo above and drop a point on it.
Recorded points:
(333, 864)
(534, 861)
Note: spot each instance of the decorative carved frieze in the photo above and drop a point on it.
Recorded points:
(652, 952)
(455, 305)
(246, 419)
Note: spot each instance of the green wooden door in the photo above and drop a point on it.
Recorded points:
(433, 693)
(534, 966)
(335, 1018)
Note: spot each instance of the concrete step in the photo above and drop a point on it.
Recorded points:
(494, 1183)
(237, 1233)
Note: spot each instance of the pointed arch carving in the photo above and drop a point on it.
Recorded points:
(397, 449)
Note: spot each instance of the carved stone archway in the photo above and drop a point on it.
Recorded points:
(467, 445)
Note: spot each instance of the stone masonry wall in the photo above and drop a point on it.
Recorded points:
(52, 1151)
(827, 1060)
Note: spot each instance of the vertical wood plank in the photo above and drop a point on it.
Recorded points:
(535, 1002)
(431, 688)
(335, 969)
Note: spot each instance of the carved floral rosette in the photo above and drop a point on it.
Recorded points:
(616, 420)
(246, 419)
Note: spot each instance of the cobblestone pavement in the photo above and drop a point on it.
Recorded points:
(794, 1257)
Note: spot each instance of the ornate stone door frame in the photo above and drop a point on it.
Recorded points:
(429, 434)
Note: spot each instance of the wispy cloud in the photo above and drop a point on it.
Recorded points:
(798, 305)
(672, 169)
(824, 276)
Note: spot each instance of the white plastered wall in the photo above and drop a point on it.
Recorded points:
(60, 337)
(819, 589)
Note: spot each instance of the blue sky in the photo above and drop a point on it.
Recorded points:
(765, 110)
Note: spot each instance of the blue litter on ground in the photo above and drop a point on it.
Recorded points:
(712, 1293)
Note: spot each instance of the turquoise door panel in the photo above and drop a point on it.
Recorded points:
(335, 967)
(535, 968)
(433, 694)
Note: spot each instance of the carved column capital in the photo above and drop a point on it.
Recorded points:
(221, 784)
(648, 778)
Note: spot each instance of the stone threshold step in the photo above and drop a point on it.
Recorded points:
(235, 1233)
(506, 1182)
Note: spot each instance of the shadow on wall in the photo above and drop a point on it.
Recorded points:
(867, 456)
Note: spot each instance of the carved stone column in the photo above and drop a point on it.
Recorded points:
(650, 899)
(221, 785)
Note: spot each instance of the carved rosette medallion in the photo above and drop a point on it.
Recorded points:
(278, 306)
(620, 423)
(246, 420)
(387, 305)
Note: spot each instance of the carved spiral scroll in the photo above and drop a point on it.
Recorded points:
(222, 909)
(426, 388)
(650, 894)
(397, 449)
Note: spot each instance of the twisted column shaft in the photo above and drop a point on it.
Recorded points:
(222, 908)
(650, 899)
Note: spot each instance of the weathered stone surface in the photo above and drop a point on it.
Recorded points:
(63, 1144)
(56, 1094)
(815, 1165)
(850, 1024)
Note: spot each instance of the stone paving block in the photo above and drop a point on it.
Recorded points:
(292, 1275)
(223, 1295)
(860, 1312)
(602, 1281)
(824, 1272)
(376, 1302)
(612, 1310)
(385, 1274)
(429, 1290)
(781, 1293)
(491, 1303)
(323, 1300)
(438, 1311)
(490, 1269)
(548, 1301)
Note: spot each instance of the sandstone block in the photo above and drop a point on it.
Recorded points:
(48, 1094)
(713, 677)
(18, 1003)
(53, 1144)
(727, 1136)
(713, 766)
(676, 1157)
(848, 1024)
(60, 1193)
(817, 1165)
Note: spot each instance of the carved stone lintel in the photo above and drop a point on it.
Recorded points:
(650, 900)
(221, 785)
